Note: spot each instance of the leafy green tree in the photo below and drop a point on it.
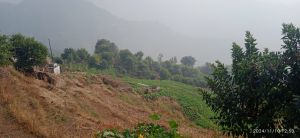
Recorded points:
(250, 45)
(108, 58)
(291, 60)
(83, 55)
(143, 70)
(164, 74)
(127, 61)
(149, 60)
(153, 65)
(104, 64)
(139, 55)
(189, 71)
(28, 52)
(108, 52)
(94, 61)
(175, 69)
(104, 45)
(5, 50)
(259, 92)
(58, 60)
(69, 55)
(188, 61)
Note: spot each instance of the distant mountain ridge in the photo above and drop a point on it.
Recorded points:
(79, 23)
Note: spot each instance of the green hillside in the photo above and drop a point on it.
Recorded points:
(190, 99)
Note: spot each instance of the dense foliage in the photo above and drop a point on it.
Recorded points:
(5, 50)
(23, 52)
(143, 130)
(107, 56)
(28, 52)
(259, 98)
(188, 61)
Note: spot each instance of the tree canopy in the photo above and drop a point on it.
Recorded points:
(21, 51)
(107, 56)
(5, 50)
(188, 61)
(28, 52)
(260, 92)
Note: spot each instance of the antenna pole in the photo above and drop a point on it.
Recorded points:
(50, 49)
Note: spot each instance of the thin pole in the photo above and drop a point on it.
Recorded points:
(50, 49)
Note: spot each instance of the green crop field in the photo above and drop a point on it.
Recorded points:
(194, 107)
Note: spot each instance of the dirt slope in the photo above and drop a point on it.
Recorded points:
(78, 106)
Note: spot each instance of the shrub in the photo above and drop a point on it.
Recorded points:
(28, 52)
(142, 130)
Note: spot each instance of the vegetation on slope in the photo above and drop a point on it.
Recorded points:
(25, 53)
(79, 105)
(143, 130)
(187, 96)
(107, 56)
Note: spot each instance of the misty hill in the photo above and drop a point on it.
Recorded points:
(79, 23)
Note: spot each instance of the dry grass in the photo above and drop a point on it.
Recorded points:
(78, 108)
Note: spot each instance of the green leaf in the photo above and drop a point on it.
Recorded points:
(155, 117)
(173, 124)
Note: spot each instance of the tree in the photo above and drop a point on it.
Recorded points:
(104, 45)
(188, 61)
(189, 71)
(143, 70)
(108, 52)
(83, 55)
(58, 60)
(160, 58)
(173, 60)
(149, 61)
(5, 50)
(139, 55)
(28, 52)
(250, 44)
(69, 55)
(94, 61)
(291, 60)
(108, 59)
(258, 94)
(206, 68)
(127, 61)
(164, 74)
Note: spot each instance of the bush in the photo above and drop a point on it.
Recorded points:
(28, 52)
(164, 74)
(143, 131)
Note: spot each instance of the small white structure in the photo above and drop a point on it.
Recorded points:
(54, 68)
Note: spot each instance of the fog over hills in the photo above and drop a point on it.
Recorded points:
(217, 19)
(79, 23)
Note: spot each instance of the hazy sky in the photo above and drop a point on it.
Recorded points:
(223, 19)
(11, 1)
(214, 19)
